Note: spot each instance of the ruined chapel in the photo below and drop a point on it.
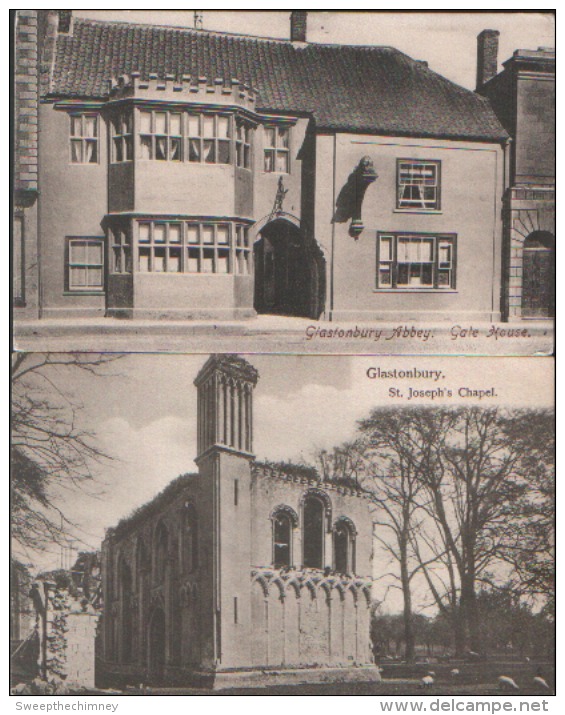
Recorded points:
(241, 572)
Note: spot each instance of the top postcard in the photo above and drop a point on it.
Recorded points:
(251, 181)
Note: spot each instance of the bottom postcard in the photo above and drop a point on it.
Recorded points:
(299, 524)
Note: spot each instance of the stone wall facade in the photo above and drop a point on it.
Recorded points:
(239, 569)
(25, 287)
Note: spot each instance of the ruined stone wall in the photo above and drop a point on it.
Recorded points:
(176, 592)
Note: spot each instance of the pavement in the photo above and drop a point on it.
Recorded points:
(281, 334)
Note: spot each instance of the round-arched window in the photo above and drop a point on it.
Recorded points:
(313, 538)
(344, 547)
(282, 532)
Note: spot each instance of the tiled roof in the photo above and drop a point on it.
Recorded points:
(349, 88)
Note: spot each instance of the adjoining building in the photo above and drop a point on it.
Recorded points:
(193, 174)
(242, 573)
(523, 97)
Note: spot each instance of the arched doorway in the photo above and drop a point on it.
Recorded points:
(156, 642)
(538, 276)
(289, 272)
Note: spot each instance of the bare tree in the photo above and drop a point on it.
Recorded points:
(477, 472)
(459, 492)
(50, 452)
(395, 463)
(527, 536)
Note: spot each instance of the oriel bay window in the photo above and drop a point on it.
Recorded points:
(209, 138)
(159, 248)
(413, 261)
(180, 135)
(242, 144)
(161, 135)
(120, 238)
(122, 139)
(193, 247)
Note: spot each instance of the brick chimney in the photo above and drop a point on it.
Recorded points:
(487, 56)
(298, 22)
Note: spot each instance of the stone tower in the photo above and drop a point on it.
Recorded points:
(225, 451)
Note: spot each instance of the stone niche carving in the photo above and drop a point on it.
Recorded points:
(350, 200)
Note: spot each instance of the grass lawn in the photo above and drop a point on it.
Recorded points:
(404, 679)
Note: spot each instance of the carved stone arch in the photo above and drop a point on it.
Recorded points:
(324, 498)
(311, 588)
(280, 585)
(284, 520)
(341, 589)
(290, 268)
(142, 560)
(288, 510)
(160, 525)
(326, 587)
(188, 537)
(355, 592)
(161, 549)
(262, 581)
(258, 226)
(293, 583)
(348, 522)
(344, 545)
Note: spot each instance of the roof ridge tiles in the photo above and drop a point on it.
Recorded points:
(235, 35)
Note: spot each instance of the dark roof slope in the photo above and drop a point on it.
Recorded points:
(349, 88)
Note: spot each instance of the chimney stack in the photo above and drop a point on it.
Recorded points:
(65, 20)
(487, 56)
(298, 21)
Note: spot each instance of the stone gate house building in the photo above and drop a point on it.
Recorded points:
(523, 97)
(184, 173)
(241, 572)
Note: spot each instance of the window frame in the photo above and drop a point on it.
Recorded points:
(236, 253)
(278, 515)
(122, 247)
(276, 148)
(437, 239)
(321, 536)
(349, 527)
(168, 135)
(117, 123)
(69, 264)
(216, 140)
(152, 246)
(243, 158)
(83, 138)
(413, 207)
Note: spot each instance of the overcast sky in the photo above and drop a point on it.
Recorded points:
(447, 40)
(144, 414)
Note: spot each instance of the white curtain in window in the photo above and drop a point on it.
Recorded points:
(161, 147)
(76, 152)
